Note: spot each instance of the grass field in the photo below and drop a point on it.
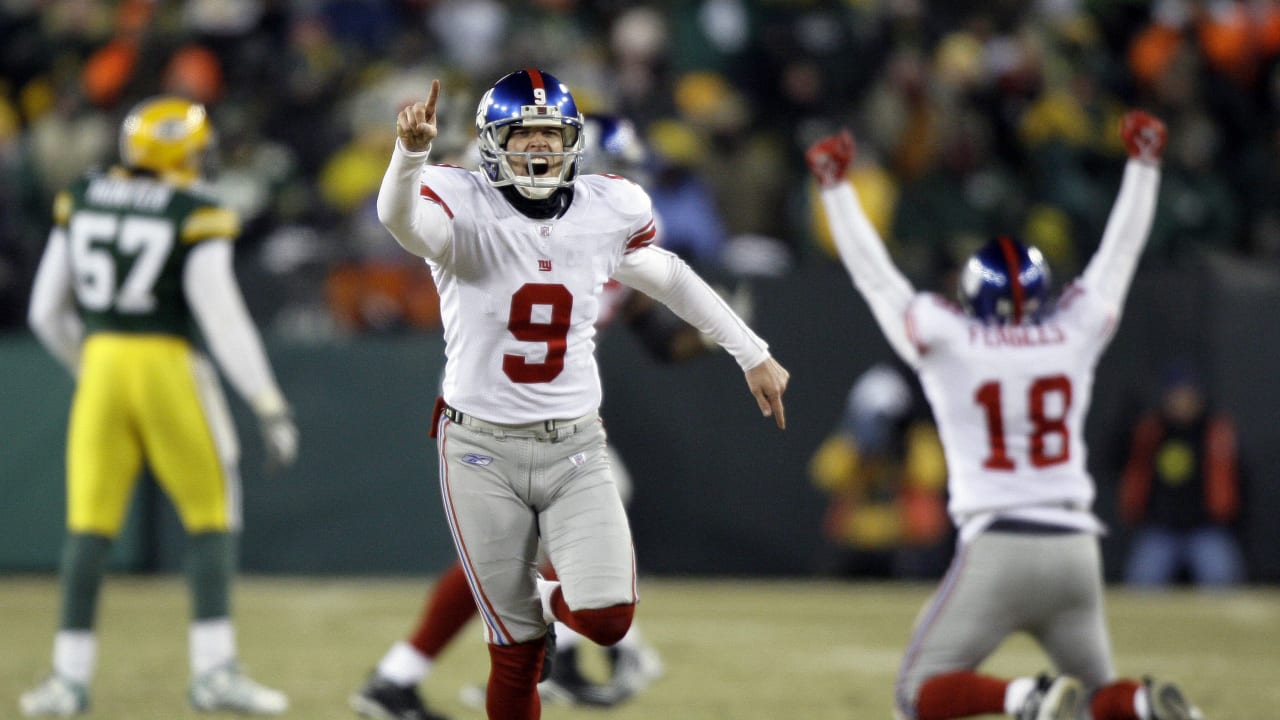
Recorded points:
(734, 650)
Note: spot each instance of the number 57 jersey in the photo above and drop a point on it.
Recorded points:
(1010, 402)
(519, 297)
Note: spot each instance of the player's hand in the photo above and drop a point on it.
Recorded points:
(1144, 135)
(768, 381)
(829, 158)
(279, 439)
(416, 124)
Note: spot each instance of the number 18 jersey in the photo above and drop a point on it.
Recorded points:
(1010, 403)
(519, 297)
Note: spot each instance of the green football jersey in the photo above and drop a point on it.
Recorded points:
(129, 237)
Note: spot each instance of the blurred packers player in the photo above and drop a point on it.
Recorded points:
(137, 269)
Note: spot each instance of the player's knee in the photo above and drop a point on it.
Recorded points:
(605, 626)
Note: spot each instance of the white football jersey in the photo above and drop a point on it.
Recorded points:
(519, 297)
(1010, 401)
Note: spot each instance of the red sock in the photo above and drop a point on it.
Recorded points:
(448, 609)
(513, 681)
(602, 626)
(960, 694)
(1115, 701)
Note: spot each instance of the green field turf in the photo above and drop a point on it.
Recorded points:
(733, 650)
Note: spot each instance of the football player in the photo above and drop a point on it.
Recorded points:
(1008, 375)
(138, 266)
(611, 144)
(520, 251)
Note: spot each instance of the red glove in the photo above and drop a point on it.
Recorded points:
(829, 158)
(1144, 135)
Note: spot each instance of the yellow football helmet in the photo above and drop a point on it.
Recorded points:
(168, 136)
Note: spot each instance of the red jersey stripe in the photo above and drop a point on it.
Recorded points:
(642, 237)
(431, 195)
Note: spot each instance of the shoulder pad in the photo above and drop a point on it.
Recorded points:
(624, 196)
(62, 208)
(210, 222)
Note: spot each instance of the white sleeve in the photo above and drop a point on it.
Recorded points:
(214, 296)
(666, 278)
(423, 228)
(52, 312)
(1111, 269)
(886, 290)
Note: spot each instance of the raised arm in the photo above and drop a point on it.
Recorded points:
(861, 249)
(424, 229)
(1111, 269)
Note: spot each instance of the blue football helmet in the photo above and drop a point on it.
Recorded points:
(528, 98)
(611, 144)
(1005, 282)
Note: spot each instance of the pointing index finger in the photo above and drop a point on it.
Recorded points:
(431, 98)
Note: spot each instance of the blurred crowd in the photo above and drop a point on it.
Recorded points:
(972, 118)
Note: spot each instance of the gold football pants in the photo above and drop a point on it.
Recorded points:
(152, 398)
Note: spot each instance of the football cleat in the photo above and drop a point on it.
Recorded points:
(1144, 136)
(227, 689)
(56, 696)
(382, 699)
(829, 158)
(1053, 698)
(568, 686)
(635, 668)
(548, 653)
(1165, 701)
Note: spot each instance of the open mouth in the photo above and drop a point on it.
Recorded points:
(539, 167)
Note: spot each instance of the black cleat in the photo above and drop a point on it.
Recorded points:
(548, 653)
(1054, 698)
(382, 699)
(1167, 702)
(566, 685)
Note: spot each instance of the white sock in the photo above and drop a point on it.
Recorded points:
(1015, 694)
(545, 588)
(212, 644)
(1142, 703)
(566, 637)
(75, 655)
(404, 665)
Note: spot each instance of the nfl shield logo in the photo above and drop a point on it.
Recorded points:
(544, 230)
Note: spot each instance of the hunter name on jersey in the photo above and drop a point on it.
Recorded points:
(128, 193)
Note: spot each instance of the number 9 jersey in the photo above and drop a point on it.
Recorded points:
(528, 292)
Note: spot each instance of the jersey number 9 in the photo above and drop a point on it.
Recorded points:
(554, 332)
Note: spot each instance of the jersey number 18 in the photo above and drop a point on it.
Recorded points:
(1042, 424)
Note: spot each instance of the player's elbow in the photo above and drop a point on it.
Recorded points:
(42, 317)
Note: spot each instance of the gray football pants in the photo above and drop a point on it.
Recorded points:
(505, 492)
(1049, 586)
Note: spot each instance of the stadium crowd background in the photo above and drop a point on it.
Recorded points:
(972, 118)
